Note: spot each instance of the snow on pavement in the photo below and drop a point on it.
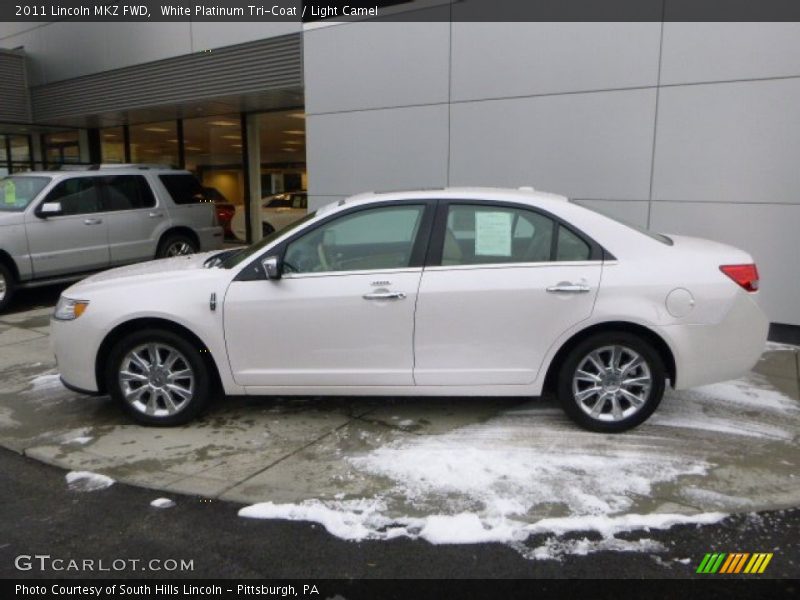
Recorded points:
(521, 477)
(86, 481)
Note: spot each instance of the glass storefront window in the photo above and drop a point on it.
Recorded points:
(155, 143)
(62, 147)
(213, 151)
(112, 145)
(283, 151)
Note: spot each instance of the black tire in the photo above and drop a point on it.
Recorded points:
(649, 395)
(190, 358)
(8, 286)
(176, 244)
(266, 229)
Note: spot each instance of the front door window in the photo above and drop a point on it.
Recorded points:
(377, 238)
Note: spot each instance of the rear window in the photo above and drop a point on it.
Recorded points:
(184, 188)
(659, 237)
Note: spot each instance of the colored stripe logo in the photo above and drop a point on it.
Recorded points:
(734, 562)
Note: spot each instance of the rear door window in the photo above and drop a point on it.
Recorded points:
(127, 192)
(183, 188)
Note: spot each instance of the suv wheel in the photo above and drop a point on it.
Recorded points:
(176, 245)
(7, 287)
(611, 382)
(158, 377)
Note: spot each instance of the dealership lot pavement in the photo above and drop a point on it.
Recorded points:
(445, 470)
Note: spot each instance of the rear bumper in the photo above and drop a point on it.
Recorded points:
(710, 353)
(210, 238)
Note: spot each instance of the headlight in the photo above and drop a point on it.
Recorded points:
(68, 309)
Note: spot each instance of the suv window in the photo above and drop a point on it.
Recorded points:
(299, 201)
(78, 196)
(376, 238)
(183, 188)
(478, 234)
(126, 192)
(17, 191)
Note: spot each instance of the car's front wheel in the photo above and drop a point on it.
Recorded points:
(611, 382)
(158, 377)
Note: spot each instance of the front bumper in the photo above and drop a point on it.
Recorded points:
(75, 349)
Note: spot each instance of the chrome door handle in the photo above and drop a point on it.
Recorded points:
(155, 214)
(384, 296)
(92, 221)
(572, 288)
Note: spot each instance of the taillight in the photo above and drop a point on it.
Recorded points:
(745, 275)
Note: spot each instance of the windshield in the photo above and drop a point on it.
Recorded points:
(245, 253)
(18, 191)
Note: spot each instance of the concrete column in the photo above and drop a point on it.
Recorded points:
(254, 172)
(83, 146)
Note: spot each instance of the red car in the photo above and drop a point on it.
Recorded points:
(225, 210)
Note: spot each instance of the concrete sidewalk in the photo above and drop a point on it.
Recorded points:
(741, 437)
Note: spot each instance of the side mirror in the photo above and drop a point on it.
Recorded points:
(272, 267)
(50, 209)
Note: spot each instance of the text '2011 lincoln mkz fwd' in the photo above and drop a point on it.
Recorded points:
(457, 292)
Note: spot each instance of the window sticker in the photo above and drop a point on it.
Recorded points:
(10, 192)
(493, 234)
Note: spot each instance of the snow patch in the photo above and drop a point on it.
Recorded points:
(555, 549)
(475, 472)
(86, 481)
(46, 382)
(162, 503)
(364, 519)
(81, 439)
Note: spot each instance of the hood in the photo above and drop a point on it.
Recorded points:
(169, 269)
(11, 218)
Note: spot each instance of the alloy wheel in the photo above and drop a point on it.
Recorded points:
(3, 287)
(612, 383)
(156, 380)
(178, 248)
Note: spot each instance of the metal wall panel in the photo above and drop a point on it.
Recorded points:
(249, 68)
(14, 103)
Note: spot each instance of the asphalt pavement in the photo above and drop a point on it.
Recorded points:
(43, 516)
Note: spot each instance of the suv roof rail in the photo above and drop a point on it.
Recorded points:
(111, 166)
(101, 166)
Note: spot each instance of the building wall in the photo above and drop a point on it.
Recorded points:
(689, 128)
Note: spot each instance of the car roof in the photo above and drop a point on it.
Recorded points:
(126, 170)
(525, 195)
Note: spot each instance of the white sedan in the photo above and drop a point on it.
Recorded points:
(277, 211)
(457, 292)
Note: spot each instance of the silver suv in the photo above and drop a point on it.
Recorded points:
(57, 226)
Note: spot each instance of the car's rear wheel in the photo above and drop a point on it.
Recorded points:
(611, 382)
(158, 377)
(7, 286)
(176, 245)
(266, 229)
